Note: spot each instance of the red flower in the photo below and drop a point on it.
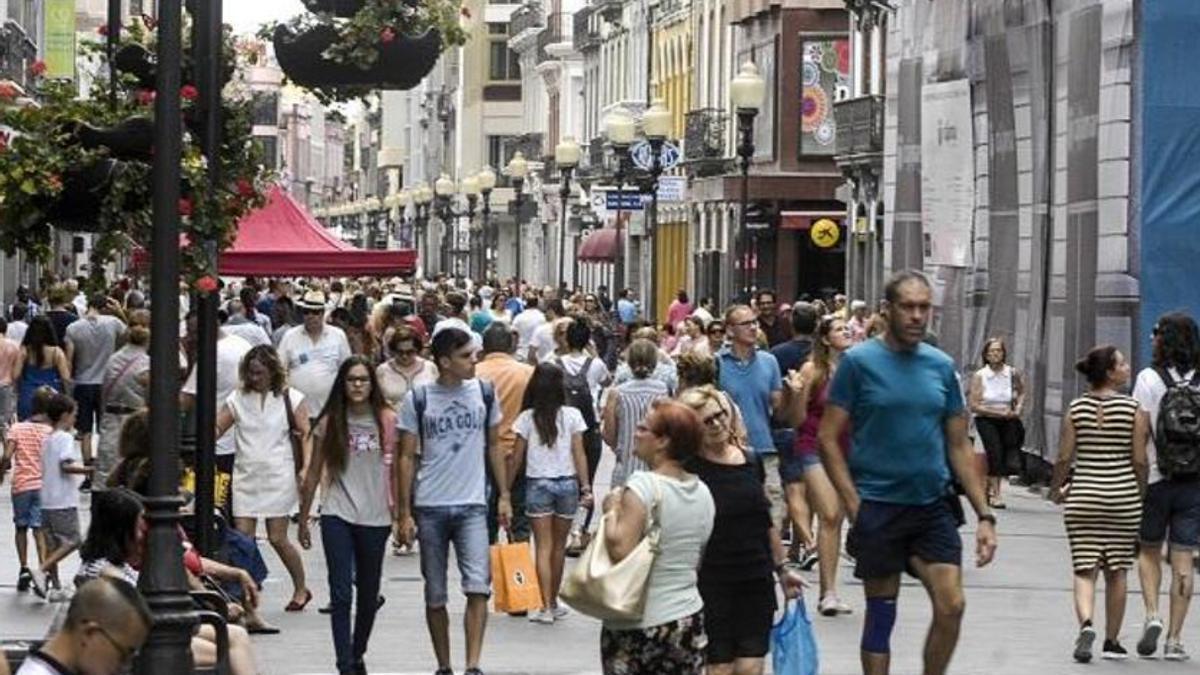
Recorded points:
(206, 284)
(8, 92)
(465, 12)
(245, 188)
(103, 29)
(387, 35)
(145, 96)
(37, 68)
(55, 182)
(189, 92)
(185, 206)
(3, 142)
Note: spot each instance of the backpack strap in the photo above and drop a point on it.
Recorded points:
(489, 398)
(419, 400)
(1167, 378)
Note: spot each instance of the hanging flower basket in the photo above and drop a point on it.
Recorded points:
(401, 63)
(130, 139)
(79, 206)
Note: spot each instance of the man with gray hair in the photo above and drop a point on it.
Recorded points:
(107, 623)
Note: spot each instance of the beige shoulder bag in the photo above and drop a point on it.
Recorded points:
(612, 591)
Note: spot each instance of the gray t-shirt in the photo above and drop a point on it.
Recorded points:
(360, 494)
(94, 339)
(450, 468)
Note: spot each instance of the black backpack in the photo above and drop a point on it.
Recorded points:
(579, 392)
(1177, 428)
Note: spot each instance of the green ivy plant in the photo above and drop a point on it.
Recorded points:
(40, 148)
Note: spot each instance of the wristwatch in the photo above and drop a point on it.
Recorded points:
(987, 518)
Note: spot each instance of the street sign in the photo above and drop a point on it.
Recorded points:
(672, 189)
(623, 200)
(668, 158)
(825, 233)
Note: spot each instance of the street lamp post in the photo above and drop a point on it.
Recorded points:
(566, 156)
(620, 130)
(470, 188)
(422, 195)
(656, 123)
(443, 190)
(487, 183)
(518, 168)
(746, 93)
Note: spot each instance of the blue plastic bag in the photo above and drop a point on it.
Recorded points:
(793, 644)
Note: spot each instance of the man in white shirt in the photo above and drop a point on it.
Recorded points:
(526, 323)
(541, 342)
(17, 326)
(313, 352)
(230, 351)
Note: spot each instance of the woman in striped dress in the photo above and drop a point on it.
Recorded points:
(1103, 443)
(628, 404)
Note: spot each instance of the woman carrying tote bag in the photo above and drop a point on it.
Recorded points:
(668, 638)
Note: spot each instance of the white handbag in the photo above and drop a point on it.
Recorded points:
(610, 591)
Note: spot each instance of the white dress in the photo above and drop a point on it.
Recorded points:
(264, 472)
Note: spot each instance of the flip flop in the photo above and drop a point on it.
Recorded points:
(294, 606)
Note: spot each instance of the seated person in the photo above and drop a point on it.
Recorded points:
(107, 623)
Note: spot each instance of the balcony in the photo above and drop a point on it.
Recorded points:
(17, 51)
(859, 129)
(586, 36)
(704, 141)
(555, 40)
(527, 17)
(609, 9)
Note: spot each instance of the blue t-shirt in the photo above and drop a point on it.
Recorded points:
(750, 384)
(898, 403)
(627, 311)
(514, 306)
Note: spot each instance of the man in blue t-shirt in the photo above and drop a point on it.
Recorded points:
(909, 430)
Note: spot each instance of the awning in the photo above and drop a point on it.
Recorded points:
(600, 246)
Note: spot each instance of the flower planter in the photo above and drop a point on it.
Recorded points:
(402, 62)
(137, 61)
(77, 208)
(131, 139)
(342, 8)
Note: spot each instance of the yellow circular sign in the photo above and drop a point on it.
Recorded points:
(825, 233)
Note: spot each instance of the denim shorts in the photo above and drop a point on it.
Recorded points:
(27, 509)
(552, 497)
(466, 526)
(1174, 507)
(793, 464)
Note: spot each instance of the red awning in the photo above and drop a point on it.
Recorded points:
(600, 246)
(282, 239)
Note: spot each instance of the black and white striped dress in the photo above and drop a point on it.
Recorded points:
(1103, 507)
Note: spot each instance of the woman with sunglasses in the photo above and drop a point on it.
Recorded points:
(352, 441)
(406, 368)
(744, 555)
(716, 336)
(669, 637)
(808, 406)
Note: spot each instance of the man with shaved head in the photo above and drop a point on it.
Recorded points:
(106, 625)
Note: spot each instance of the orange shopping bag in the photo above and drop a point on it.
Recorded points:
(514, 578)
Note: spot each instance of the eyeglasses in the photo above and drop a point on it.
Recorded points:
(128, 654)
(358, 379)
(744, 324)
(716, 420)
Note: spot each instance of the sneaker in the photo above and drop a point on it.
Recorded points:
(1173, 651)
(574, 544)
(830, 605)
(542, 616)
(806, 560)
(444, 671)
(472, 671)
(24, 579)
(560, 612)
(1113, 651)
(1083, 644)
(1148, 644)
(37, 583)
(58, 595)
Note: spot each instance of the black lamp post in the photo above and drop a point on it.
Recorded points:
(566, 156)
(162, 581)
(656, 124)
(620, 130)
(444, 190)
(518, 168)
(487, 183)
(746, 92)
(422, 196)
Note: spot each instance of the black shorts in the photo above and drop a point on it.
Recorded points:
(737, 618)
(87, 399)
(884, 536)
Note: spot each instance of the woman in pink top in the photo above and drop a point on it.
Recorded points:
(680, 308)
(833, 338)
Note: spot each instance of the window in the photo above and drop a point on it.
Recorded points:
(503, 63)
(270, 150)
(500, 150)
(265, 108)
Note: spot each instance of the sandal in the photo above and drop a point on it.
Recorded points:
(294, 606)
(262, 629)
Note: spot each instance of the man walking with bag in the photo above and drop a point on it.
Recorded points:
(456, 420)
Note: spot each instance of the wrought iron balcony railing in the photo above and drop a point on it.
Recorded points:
(559, 29)
(704, 141)
(586, 35)
(859, 126)
(610, 9)
(526, 17)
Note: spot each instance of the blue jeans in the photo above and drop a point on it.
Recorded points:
(466, 526)
(354, 556)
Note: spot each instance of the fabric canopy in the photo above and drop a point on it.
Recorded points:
(282, 239)
(600, 246)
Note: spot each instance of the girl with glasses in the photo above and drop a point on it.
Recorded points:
(352, 445)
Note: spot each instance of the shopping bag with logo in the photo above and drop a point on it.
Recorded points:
(793, 644)
(514, 578)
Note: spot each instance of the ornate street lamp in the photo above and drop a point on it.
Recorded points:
(566, 156)
(517, 169)
(404, 200)
(487, 183)
(656, 124)
(423, 196)
(470, 188)
(746, 93)
(620, 129)
(443, 190)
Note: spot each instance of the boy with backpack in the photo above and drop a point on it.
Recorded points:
(584, 375)
(1169, 395)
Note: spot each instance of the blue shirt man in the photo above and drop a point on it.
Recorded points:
(626, 309)
(751, 384)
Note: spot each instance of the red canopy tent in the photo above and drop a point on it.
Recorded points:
(283, 240)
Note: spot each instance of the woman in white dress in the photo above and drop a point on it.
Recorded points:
(266, 479)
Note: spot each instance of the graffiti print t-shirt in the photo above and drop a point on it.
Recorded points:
(359, 495)
(450, 468)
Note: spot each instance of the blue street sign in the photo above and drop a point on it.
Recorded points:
(623, 200)
(668, 158)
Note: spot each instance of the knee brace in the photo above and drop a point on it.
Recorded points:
(877, 628)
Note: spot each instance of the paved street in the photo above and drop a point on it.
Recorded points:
(1019, 617)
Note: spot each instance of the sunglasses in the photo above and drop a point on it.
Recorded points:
(716, 420)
